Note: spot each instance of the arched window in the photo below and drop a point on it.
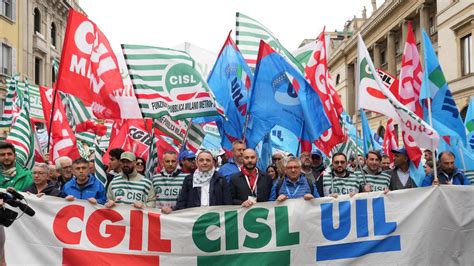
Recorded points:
(338, 79)
(464, 112)
(381, 131)
(53, 34)
(37, 20)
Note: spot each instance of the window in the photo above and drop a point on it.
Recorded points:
(6, 59)
(8, 8)
(338, 79)
(467, 57)
(37, 15)
(38, 70)
(53, 74)
(382, 58)
(53, 34)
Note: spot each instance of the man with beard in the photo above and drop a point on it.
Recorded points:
(168, 182)
(235, 163)
(294, 185)
(251, 185)
(130, 187)
(374, 177)
(187, 161)
(83, 185)
(11, 173)
(205, 187)
(340, 181)
(400, 175)
(448, 173)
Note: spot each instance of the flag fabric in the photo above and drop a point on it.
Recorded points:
(230, 81)
(178, 130)
(89, 70)
(390, 140)
(284, 140)
(280, 95)
(248, 35)
(166, 82)
(195, 137)
(390, 82)
(411, 75)
(446, 118)
(469, 123)
(366, 132)
(318, 75)
(76, 111)
(63, 141)
(265, 153)
(21, 132)
(10, 103)
(305, 52)
(99, 166)
(38, 153)
(152, 161)
(416, 131)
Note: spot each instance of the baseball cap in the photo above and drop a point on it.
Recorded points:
(317, 153)
(401, 151)
(186, 154)
(128, 156)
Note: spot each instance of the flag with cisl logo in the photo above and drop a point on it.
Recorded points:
(89, 71)
(166, 82)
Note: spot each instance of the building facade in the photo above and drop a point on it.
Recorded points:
(31, 37)
(450, 25)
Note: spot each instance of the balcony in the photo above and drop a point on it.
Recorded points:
(39, 43)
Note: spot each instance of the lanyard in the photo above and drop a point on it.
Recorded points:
(254, 190)
(290, 195)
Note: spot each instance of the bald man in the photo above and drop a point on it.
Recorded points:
(250, 185)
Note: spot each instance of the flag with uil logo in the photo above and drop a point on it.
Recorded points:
(166, 82)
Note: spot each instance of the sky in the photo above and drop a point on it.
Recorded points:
(206, 23)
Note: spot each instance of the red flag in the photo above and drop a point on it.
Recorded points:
(89, 69)
(318, 75)
(132, 137)
(390, 139)
(63, 140)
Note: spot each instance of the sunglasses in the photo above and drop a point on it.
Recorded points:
(339, 162)
(140, 163)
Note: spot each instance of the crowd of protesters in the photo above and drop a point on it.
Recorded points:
(188, 180)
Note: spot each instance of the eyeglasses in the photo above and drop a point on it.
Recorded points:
(339, 162)
(140, 163)
(190, 159)
(276, 159)
(38, 173)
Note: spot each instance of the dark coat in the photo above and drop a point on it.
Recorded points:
(395, 183)
(240, 189)
(50, 190)
(190, 197)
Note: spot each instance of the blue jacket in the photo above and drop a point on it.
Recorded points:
(458, 178)
(93, 189)
(189, 197)
(293, 191)
(229, 169)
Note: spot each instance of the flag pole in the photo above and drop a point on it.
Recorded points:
(185, 139)
(55, 92)
(357, 81)
(435, 170)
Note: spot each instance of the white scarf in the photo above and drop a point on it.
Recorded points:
(202, 178)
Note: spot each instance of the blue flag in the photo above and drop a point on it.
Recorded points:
(445, 114)
(366, 132)
(265, 153)
(284, 140)
(281, 96)
(230, 81)
(469, 123)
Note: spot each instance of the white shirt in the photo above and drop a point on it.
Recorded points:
(205, 194)
(403, 176)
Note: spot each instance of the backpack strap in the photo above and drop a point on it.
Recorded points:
(278, 186)
(311, 185)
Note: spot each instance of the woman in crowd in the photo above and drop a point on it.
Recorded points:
(140, 166)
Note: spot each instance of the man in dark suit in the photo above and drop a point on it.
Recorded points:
(250, 185)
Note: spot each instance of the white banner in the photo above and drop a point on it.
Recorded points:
(424, 226)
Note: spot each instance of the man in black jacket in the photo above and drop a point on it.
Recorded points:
(203, 188)
(250, 185)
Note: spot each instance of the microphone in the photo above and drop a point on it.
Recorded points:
(15, 193)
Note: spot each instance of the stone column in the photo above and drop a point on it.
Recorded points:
(377, 58)
(392, 65)
(425, 18)
(404, 33)
(351, 90)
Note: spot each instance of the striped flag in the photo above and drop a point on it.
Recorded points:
(248, 34)
(10, 103)
(304, 53)
(21, 134)
(86, 137)
(76, 111)
(177, 129)
(195, 138)
(152, 160)
(166, 82)
(99, 165)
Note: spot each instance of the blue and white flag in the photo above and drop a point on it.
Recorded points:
(281, 96)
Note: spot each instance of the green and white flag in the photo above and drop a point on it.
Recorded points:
(99, 165)
(166, 82)
(177, 129)
(303, 54)
(152, 161)
(248, 34)
(10, 103)
(76, 111)
(21, 132)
